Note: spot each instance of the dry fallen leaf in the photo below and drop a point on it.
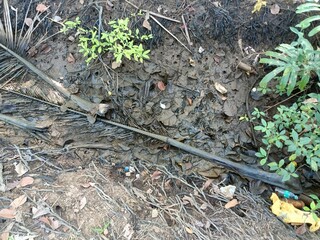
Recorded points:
(187, 200)
(70, 58)
(221, 89)
(207, 184)
(161, 86)
(189, 100)
(156, 175)
(20, 169)
(154, 213)
(50, 221)
(83, 202)
(302, 229)
(192, 62)
(6, 232)
(41, 8)
(54, 223)
(28, 21)
(275, 9)
(25, 181)
(7, 213)
(228, 191)
(40, 211)
(12, 185)
(115, 65)
(18, 201)
(189, 230)
(310, 100)
(204, 206)
(232, 203)
(146, 25)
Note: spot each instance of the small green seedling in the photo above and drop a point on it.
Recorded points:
(102, 230)
(121, 41)
(314, 206)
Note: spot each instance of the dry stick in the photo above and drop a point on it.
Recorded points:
(154, 19)
(272, 178)
(278, 103)
(153, 13)
(90, 107)
(186, 31)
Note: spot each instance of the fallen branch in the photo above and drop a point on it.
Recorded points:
(247, 171)
(92, 108)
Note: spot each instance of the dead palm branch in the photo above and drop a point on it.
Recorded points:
(13, 47)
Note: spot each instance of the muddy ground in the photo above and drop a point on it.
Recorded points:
(97, 181)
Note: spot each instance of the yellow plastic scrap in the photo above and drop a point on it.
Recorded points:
(289, 214)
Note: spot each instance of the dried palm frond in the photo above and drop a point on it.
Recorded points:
(13, 47)
(17, 40)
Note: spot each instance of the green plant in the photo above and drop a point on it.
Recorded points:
(294, 129)
(314, 206)
(307, 8)
(102, 230)
(297, 62)
(121, 41)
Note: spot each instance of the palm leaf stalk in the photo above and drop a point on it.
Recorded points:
(13, 64)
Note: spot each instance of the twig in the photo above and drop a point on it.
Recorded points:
(278, 103)
(186, 31)
(153, 13)
(154, 19)
(90, 107)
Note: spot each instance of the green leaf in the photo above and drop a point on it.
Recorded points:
(277, 55)
(314, 197)
(314, 31)
(292, 157)
(259, 128)
(304, 81)
(306, 209)
(304, 140)
(313, 205)
(314, 165)
(308, 7)
(286, 177)
(281, 163)
(294, 135)
(307, 22)
(263, 161)
(267, 78)
(292, 82)
(272, 62)
(273, 166)
(263, 122)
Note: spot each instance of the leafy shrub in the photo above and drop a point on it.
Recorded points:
(294, 129)
(307, 8)
(296, 63)
(120, 41)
